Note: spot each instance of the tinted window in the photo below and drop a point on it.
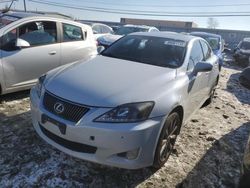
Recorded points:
(206, 50)
(157, 51)
(126, 30)
(72, 33)
(38, 33)
(35, 33)
(195, 56)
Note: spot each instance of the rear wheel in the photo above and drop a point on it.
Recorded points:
(167, 139)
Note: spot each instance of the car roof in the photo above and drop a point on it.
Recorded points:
(20, 14)
(205, 34)
(165, 34)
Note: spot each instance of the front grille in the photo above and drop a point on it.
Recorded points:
(72, 111)
(74, 146)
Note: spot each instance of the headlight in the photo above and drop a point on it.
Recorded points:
(127, 113)
(39, 84)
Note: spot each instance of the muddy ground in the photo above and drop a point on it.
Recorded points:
(208, 152)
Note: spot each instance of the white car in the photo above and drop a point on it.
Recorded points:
(32, 44)
(125, 107)
(107, 40)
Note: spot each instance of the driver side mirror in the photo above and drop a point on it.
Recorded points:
(202, 67)
(20, 43)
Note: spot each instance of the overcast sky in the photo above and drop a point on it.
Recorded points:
(160, 7)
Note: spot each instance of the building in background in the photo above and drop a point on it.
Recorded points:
(159, 23)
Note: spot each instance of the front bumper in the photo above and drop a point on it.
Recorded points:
(104, 143)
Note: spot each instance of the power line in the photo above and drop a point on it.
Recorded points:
(145, 13)
(134, 11)
(7, 1)
(171, 6)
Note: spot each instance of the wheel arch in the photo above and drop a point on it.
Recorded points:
(180, 110)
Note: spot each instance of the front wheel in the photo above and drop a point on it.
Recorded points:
(167, 139)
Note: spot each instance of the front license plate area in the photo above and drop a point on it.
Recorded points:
(62, 127)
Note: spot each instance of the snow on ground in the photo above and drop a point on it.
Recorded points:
(208, 152)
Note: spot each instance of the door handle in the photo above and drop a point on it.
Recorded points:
(52, 53)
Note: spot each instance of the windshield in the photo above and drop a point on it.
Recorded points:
(127, 30)
(214, 42)
(5, 20)
(245, 45)
(156, 51)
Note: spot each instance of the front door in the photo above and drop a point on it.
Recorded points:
(23, 65)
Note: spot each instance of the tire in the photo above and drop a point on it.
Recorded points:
(167, 139)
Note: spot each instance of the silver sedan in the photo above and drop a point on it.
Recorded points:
(126, 107)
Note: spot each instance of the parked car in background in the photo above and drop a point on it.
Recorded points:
(242, 52)
(245, 77)
(125, 107)
(32, 44)
(216, 42)
(107, 40)
(115, 28)
(99, 29)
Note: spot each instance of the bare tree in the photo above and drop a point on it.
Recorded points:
(212, 23)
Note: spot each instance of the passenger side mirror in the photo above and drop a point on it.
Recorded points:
(203, 67)
(22, 43)
(100, 49)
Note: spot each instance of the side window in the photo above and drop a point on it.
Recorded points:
(8, 41)
(206, 50)
(39, 33)
(72, 33)
(195, 56)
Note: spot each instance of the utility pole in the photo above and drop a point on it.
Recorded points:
(24, 4)
(11, 4)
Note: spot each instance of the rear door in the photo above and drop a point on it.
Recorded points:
(76, 43)
(22, 66)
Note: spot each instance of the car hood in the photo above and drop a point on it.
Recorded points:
(108, 39)
(108, 82)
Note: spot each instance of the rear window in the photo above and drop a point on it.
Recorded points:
(127, 30)
(158, 51)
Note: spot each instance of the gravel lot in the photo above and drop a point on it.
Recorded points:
(208, 152)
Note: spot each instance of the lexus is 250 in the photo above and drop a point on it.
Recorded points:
(126, 106)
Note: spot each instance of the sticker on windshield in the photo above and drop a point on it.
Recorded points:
(175, 43)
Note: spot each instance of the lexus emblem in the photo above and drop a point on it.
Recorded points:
(59, 108)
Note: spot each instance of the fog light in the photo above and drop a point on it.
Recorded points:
(130, 155)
